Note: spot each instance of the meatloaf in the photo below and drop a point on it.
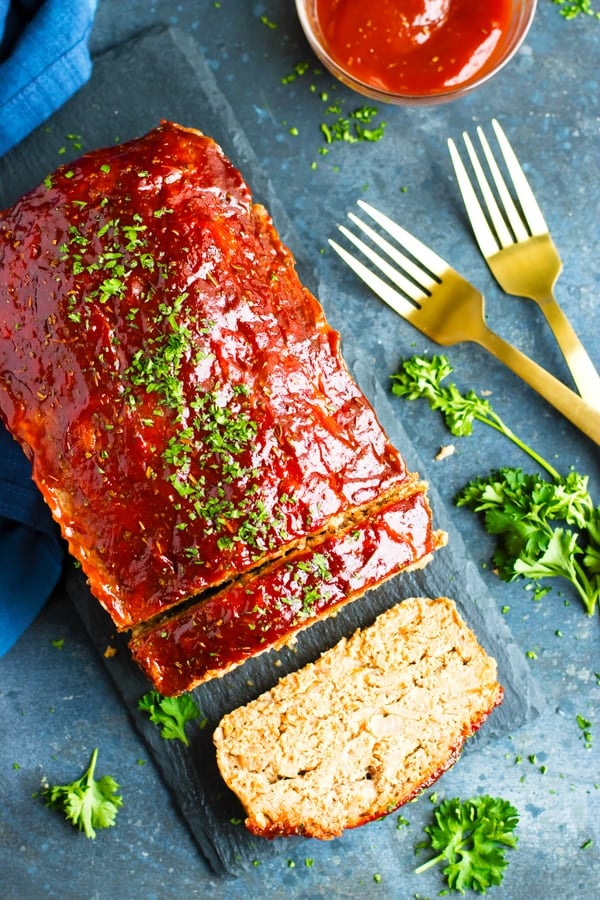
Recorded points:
(182, 398)
(266, 608)
(351, 737)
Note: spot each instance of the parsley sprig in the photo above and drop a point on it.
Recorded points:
(520, 510)
(88, 804)
(171, 714)
(472, 837)
(544, 528)
(422, 377)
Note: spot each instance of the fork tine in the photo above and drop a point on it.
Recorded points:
(435, 263)
(385, 291)
(413, 291)
(421, 276)
(510, 210)
(533, 214)
(482, 231)
(498, 219)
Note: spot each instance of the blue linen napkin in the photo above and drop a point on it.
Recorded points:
(44, 60)
(31, 549)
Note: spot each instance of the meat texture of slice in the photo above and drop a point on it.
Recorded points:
(364, 729)
(266, 608)
(179, 392)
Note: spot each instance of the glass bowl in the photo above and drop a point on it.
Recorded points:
(412, 54)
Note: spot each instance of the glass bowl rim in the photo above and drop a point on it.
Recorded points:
(520, 26)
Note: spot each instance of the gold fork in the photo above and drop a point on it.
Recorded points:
(518, 247)
(448, 309)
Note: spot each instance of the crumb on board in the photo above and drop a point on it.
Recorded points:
(444, 452)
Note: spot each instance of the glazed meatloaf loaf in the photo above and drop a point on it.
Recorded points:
(364, 729)
(184, 402)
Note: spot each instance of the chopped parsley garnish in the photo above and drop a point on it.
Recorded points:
(298, 70)
(571, 9)
(309, 583)
(211, 431)
(585, 727)
(352, 128)
(339, 125)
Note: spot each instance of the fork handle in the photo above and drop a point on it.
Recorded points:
(573, 407)
(582, 368)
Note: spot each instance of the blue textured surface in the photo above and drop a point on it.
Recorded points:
(57, 704)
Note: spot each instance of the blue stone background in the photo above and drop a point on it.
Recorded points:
(57, 704)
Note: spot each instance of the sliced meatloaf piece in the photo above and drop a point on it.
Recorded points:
(266, 608)
(364, 729)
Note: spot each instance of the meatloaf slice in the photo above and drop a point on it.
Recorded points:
(364, 729)
(268, 607)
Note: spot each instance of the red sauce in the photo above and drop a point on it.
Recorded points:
(414, 46)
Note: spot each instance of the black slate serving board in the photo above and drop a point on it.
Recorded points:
(162, 74)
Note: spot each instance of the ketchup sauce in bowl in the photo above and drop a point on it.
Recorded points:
(415, 51)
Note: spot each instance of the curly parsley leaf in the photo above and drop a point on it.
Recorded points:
(520, 509)
(471, 837)
(88, 804)
(171, 714)
(543, 528)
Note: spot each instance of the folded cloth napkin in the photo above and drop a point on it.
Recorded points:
(31, 549)
(44, 60)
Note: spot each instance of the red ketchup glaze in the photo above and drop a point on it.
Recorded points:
(414, 47)
(266, 609)
(181, 395)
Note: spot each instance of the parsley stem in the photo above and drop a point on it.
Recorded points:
(430, 863)
(422, 377)
(89, 779)
(494, 421)
(584, 588)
